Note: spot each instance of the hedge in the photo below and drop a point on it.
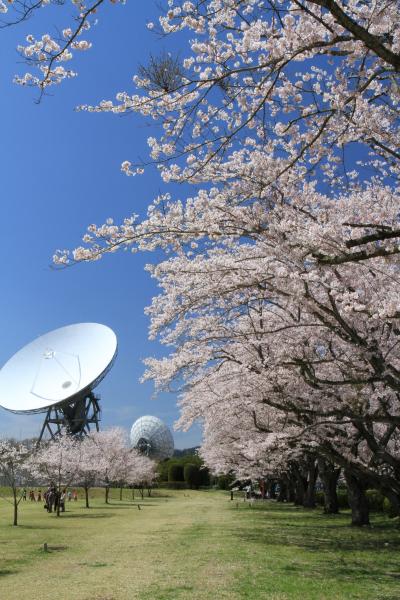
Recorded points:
(175, 473)
(376, 501)
(191, 475)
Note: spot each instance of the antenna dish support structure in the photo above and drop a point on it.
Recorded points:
(75, 417)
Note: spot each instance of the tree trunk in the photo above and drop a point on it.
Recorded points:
(329, 475)
(282, 491)
(120, 493)
(15, 507)
(357, 499)
(133, 493)
(107, 494)
(300, 484)
(289, 490)
(149, 492)
(142, 492)
(261, 484)
(87, 497)
(271, 489)
(299, 493)
(311, 478)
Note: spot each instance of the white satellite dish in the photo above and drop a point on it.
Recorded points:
(56, 373)
(152, 437)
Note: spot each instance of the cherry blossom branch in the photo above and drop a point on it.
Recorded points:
(371, 41)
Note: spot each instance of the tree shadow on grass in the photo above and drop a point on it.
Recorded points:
(317, 549)
(38, 527)
(131, 505)
(96, 564)
(120, 505)
(5, 572)
(160, 496)
(345, 569)
(311, 538)
(88, 516)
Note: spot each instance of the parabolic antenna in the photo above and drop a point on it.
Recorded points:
(152, 437)
(56, 374)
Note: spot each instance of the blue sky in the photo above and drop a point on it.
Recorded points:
(60, 171)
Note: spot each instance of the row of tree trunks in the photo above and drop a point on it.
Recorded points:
(299, 487)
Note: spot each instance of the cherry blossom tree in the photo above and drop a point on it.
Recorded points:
(14, 469)
(111, 446)
(91, 466)
(126, 466)
(280, 275)
(140, 471)
(57, 462)
(332, 419)
(117, 463)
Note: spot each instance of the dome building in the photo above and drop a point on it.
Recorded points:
(152, 437)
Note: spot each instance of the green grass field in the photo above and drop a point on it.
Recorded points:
(194, 545)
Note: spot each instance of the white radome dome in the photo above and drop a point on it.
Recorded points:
(152, 437)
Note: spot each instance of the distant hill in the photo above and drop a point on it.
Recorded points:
(185, 451)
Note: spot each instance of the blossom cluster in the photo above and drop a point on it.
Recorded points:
(43, 55)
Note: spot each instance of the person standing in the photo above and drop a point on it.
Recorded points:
(62, 500)
(49, 499)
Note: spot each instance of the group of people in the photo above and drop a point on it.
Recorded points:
(32, 496)
(52, 497)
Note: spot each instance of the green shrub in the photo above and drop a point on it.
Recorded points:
(194, 459)
(224, 482)
(388, 508)
(191, 475)
(175, 472)
(375, 500)
(162, 470)
(204, 477)
(343, 499)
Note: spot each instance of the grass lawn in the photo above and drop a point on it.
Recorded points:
(194, 545)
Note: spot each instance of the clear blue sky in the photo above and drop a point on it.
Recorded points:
(60, 171)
